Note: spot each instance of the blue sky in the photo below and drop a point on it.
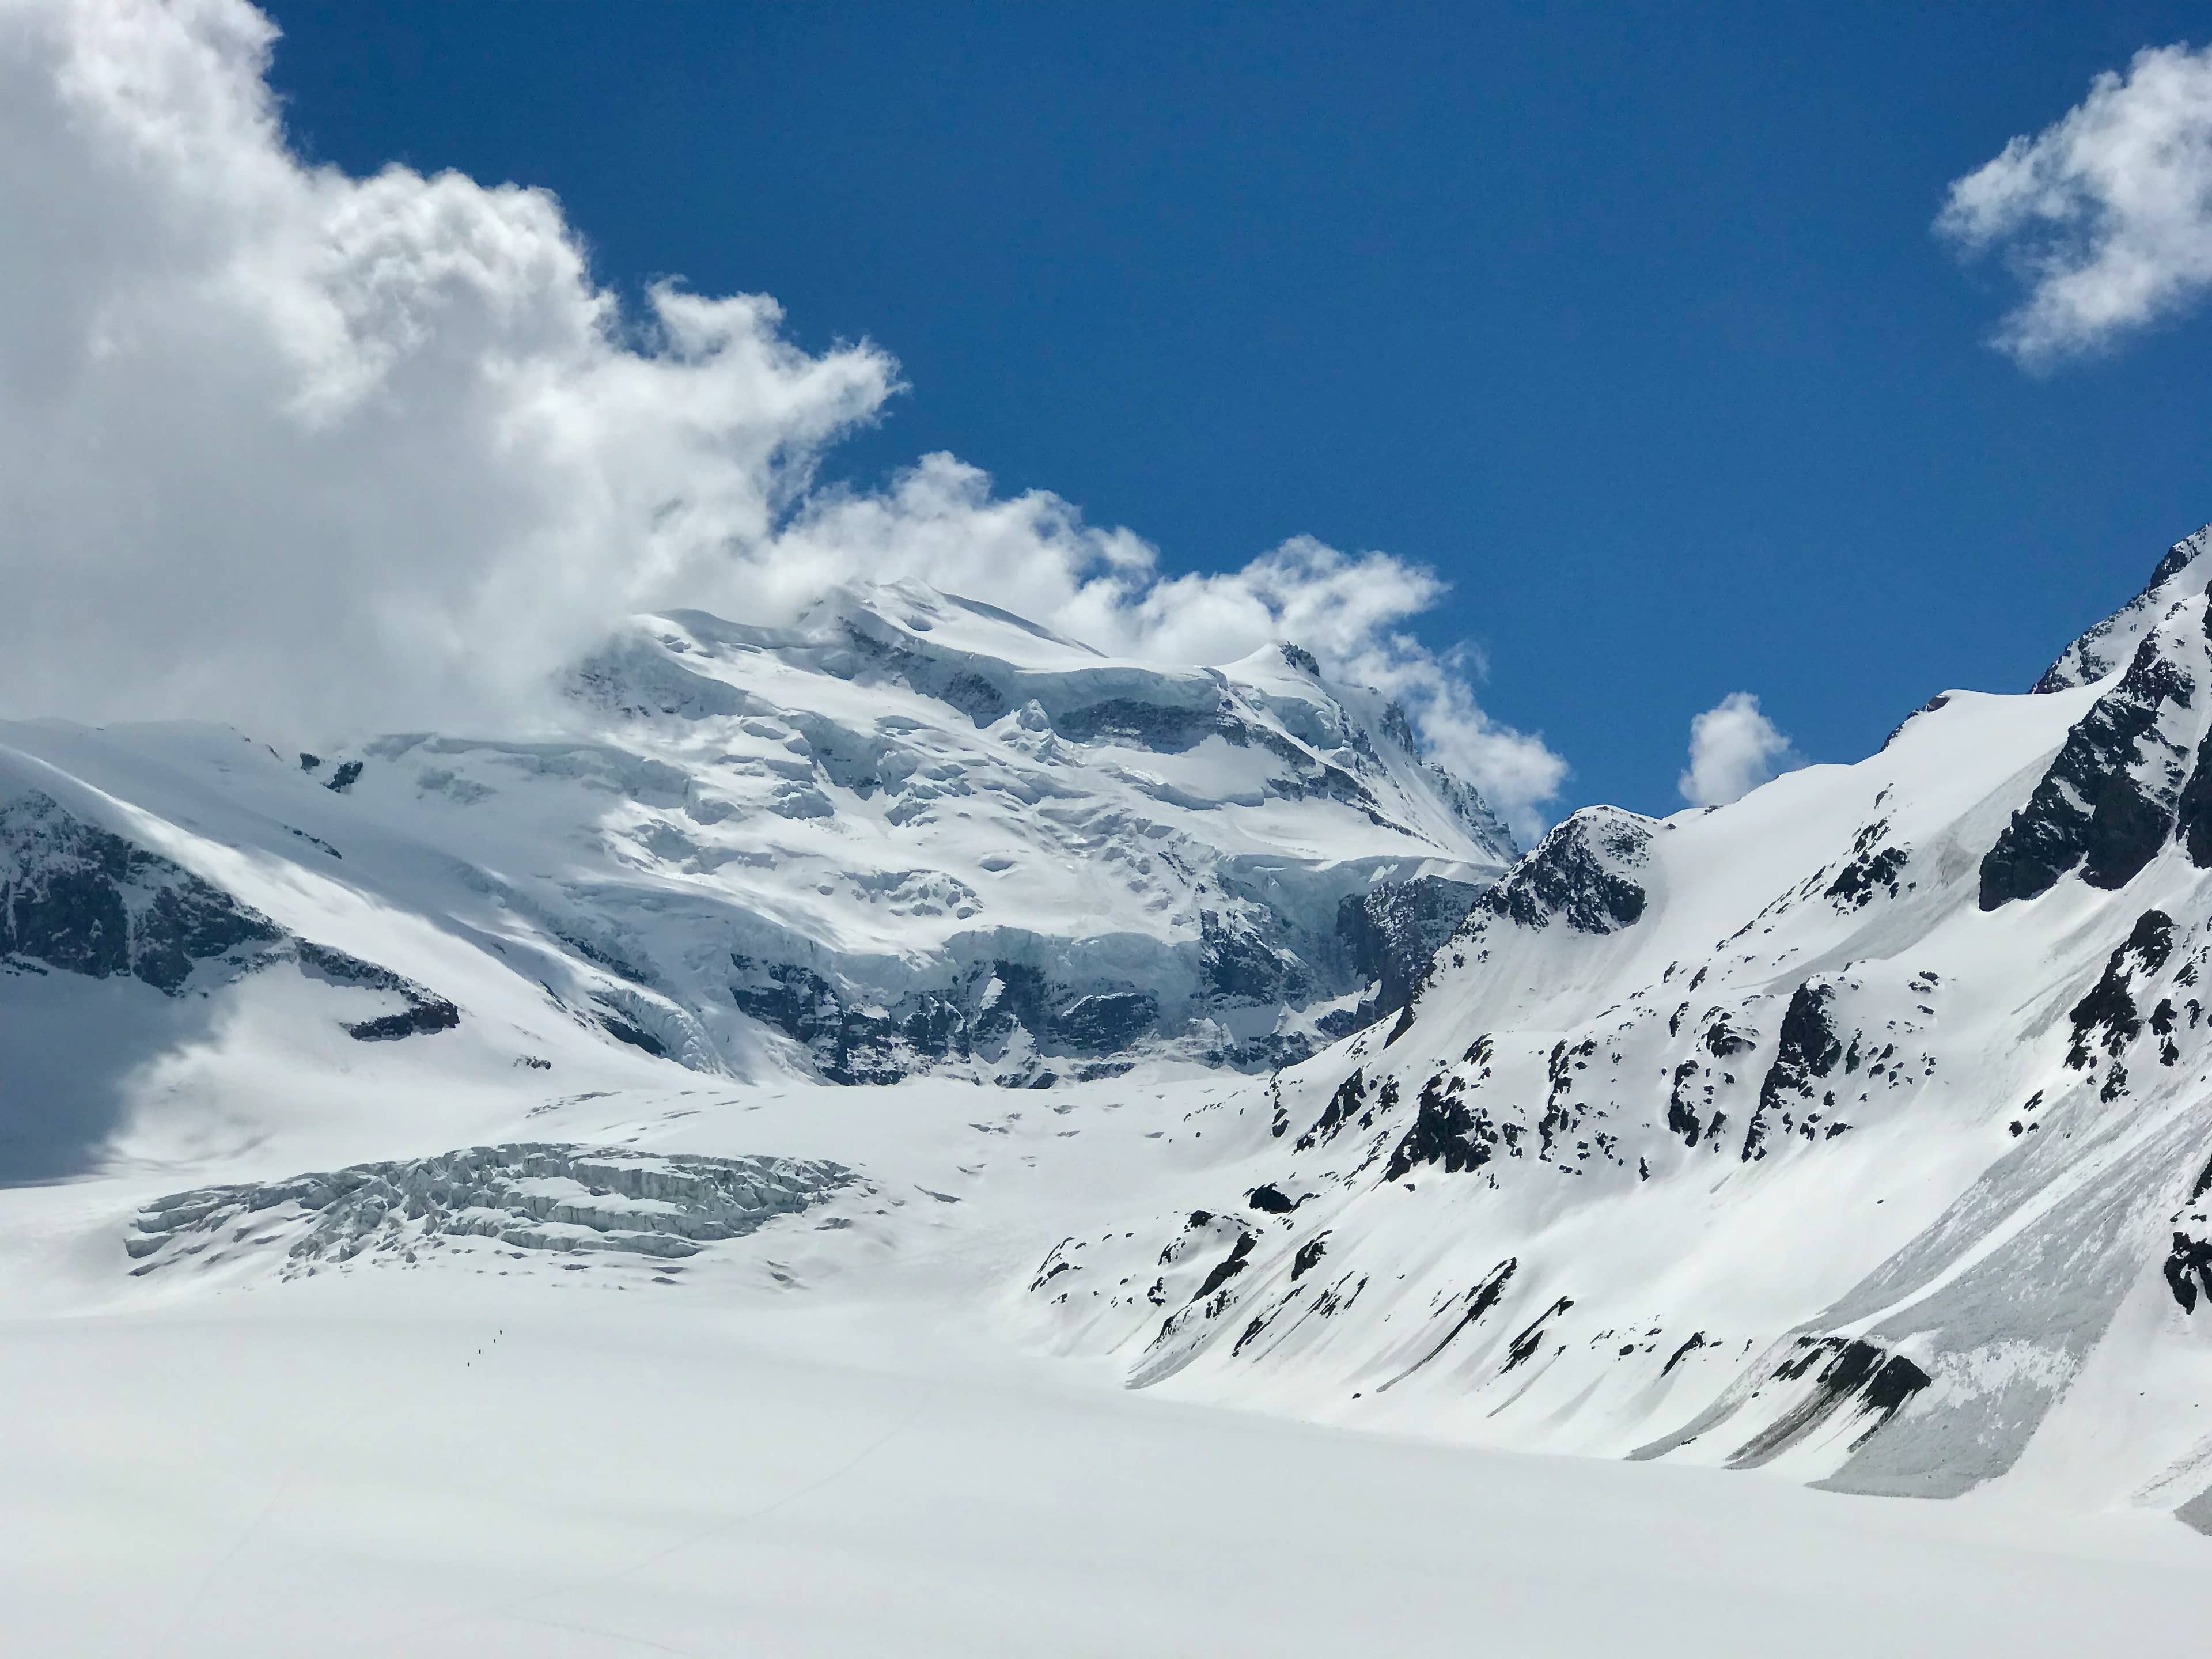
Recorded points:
(1629, 323)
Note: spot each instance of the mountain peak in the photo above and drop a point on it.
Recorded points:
(2105, 649)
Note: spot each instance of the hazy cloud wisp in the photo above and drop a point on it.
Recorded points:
(2106, 214)
(321, 455)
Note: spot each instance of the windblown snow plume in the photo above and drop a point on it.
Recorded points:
(295, 448)
(2107, 213)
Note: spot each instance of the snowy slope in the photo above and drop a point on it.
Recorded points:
(816, 1441)
(1859, 1130)
(292, 1423)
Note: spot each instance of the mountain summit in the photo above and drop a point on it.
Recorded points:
(2105, 648)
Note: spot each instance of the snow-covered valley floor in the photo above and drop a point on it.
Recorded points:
(567, 1474)
(837, 1434)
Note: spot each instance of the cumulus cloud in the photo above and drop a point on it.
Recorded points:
(1733, 749)
(277, 444)
(2107, 214)
(322, 455)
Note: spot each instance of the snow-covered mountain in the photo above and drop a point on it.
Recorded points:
(1860, 1130)
(910, 833)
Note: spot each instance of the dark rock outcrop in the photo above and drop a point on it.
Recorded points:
(1808, 1049)
(1393, 930)
(77, 898)
(1446, 1131)
(2108, 1018)
(2107, 804)
(1582, 873)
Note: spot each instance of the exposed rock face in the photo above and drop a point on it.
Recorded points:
(531, 1197)
(2108, 1019)
(1807, 1050)
(1392, 931)
(2188, 1266)
(1584, 873)
(985, 1014)
(1446, 1132)
(425, 1010)
(75, 898)
(2112, 797)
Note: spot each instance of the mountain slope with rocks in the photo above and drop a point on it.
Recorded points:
(1860, 1130)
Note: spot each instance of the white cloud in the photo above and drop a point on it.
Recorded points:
(2107, 214)
(321, 455)
(1733, 749)
(279, 444)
